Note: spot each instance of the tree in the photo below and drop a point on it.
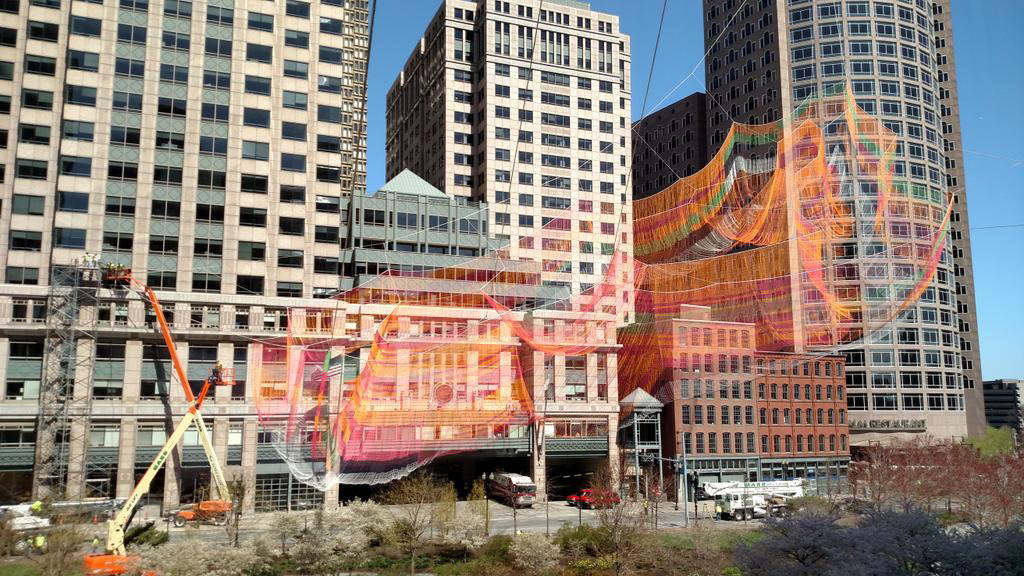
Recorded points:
(805, 544)
(479, 505)
(892, 542)
(905, 543)
(994, 442)
(285, 527)
(443, 515)
(412, 501)
(9, 537)
(622, 522)
(993, 552)
(238, 488)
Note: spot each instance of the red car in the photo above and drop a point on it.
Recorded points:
(587, 498)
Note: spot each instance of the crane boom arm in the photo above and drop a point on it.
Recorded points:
(204, 437)
(115, 527)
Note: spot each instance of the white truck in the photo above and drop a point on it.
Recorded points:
(517, 490)
(748, 500)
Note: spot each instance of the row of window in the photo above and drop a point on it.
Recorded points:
(32, 205)
(802, 417)
(75, 238)
(169, 175)
(948, 380)
(435, 222)
(860, 28)
(127, 33)
(911, 402)
(166, 106)
(740, 415)
(128, 136)
(694, 443)
(857, 9)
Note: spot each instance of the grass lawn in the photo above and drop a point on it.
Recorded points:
(721, 540)
(18, 569)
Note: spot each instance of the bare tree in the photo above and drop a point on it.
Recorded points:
(412, 502)
(479, 505)
(623, 522)
(238, 488)
(988, 489)
(874, 477)
(8, 537)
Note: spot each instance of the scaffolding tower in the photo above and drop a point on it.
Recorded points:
(65, 399)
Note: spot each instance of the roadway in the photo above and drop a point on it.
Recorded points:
(504, 520)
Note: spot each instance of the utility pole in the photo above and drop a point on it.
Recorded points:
(683, 493)
(686, 491)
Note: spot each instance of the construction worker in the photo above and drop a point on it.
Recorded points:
(39, 542)
(216, 376)
(646, 506)
(37, 507)
(718, 511)
(95, 544)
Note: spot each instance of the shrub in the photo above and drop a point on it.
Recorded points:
(534, 553)
(811, 504)
(585, 540)
(188, 557)
(496, 549)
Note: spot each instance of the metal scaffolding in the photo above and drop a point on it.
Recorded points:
(65, 399)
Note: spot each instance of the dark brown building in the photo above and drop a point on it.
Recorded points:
(669, 143)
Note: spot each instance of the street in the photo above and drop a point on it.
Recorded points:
(539, 518)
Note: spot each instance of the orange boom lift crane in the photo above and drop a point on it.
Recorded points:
(116, 561)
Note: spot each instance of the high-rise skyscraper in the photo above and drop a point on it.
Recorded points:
(670, 144)
(525, 105)
(767, 57)
(205, 146)
(963, 266)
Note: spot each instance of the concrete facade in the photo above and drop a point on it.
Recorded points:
(767, 57)
(526, 106)
(204, 146)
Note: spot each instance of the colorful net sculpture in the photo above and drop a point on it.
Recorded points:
(411, 366)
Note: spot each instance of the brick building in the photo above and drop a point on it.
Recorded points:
(738, 413)
(801, 411)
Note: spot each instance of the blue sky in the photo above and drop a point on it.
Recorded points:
(991, 80)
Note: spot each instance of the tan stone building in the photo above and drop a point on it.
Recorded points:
(206, 147)
(525, 105)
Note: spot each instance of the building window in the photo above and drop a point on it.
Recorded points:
(291, 226)
(258, 21)
(69, 238)
(259, 53)
(249, 285)
(83, 26)
(576, 378)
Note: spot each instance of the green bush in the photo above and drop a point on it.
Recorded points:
(495, 550)
(585, 539)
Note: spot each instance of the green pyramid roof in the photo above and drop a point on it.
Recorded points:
(406, 182)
